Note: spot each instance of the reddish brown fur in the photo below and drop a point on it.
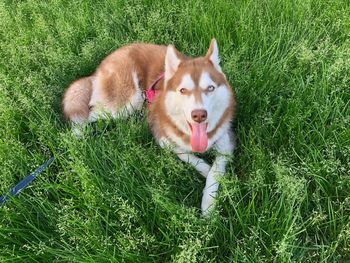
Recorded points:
(115, 78)
(116, 85)
(76, 99)
(157, 114)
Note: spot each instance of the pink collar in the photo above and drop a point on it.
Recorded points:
(151, 92)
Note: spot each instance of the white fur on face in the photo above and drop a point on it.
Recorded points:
(186, 83)
(215, 102)
(179, 107)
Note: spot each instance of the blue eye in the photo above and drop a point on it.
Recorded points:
(211, 88)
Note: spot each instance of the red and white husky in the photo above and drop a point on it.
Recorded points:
(191, 111)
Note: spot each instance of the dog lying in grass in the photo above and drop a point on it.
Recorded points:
(191, 104)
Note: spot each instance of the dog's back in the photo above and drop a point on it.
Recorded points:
(116, 86)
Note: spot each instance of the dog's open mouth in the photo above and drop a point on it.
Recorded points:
(199, 137)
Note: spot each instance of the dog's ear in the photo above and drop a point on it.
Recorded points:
(213, 54)
(172, 62)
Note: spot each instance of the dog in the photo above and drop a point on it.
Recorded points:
(191, 104)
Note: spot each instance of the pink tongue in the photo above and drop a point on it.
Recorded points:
(199, 138)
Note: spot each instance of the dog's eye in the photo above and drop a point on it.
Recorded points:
(211, 88)
(183, 91)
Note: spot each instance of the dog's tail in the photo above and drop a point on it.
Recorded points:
(76, 100)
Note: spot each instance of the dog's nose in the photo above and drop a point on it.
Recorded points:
(199, 115)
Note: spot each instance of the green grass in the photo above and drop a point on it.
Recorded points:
(117, 197)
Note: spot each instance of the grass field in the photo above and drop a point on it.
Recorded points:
(117, 197)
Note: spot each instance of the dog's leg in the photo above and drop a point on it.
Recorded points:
(102, 96)
(224, 147)
(199, 164)
(116, 96)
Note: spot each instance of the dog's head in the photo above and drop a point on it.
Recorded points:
(197, 94)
